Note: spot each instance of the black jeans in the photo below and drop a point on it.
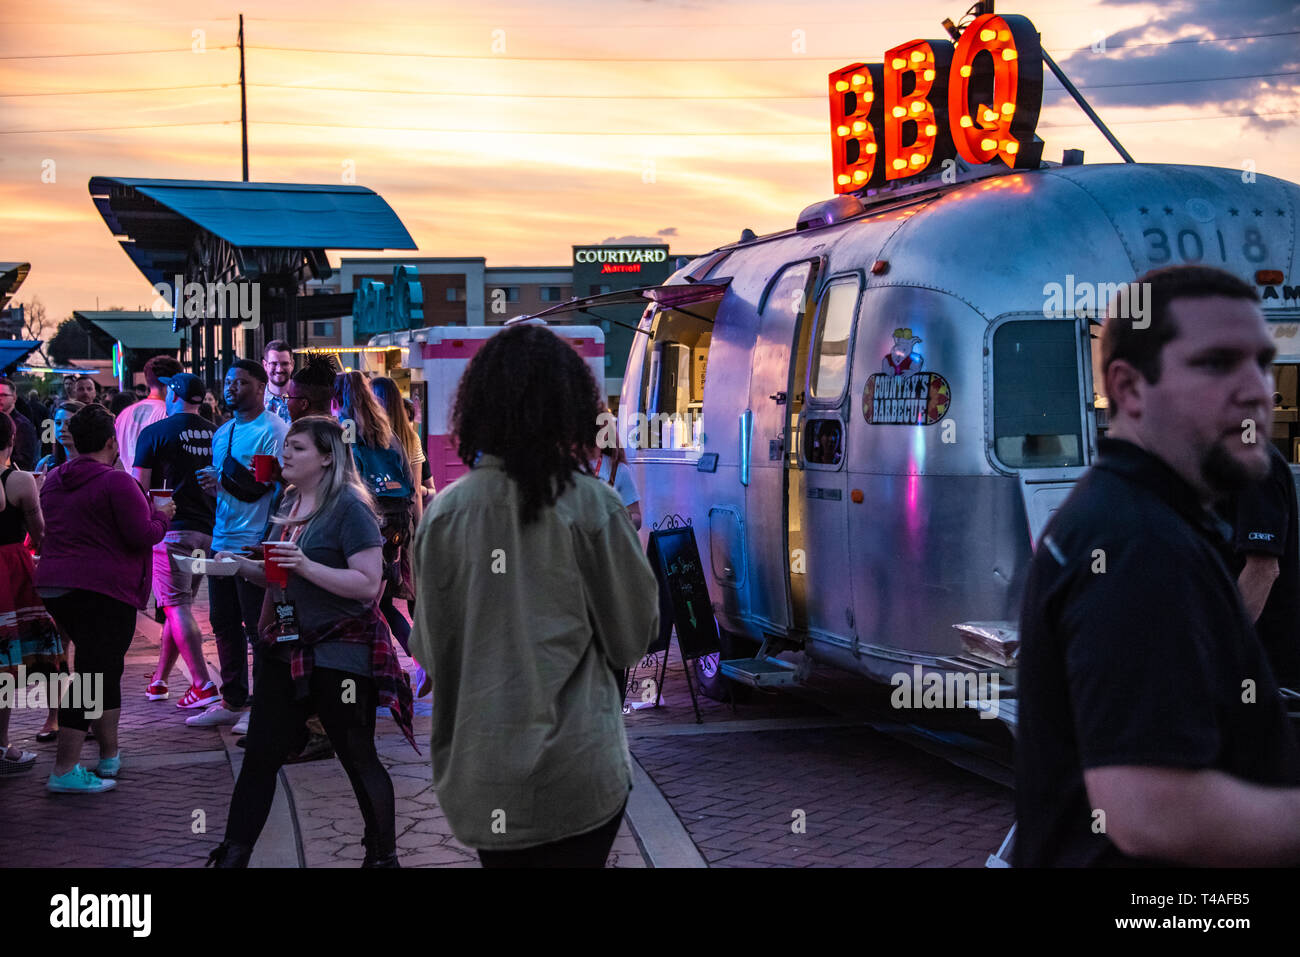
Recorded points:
(276, 727)
(100, 628)
(235, 607)
(582, 850)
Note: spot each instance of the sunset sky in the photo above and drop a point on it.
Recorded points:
(514, 130)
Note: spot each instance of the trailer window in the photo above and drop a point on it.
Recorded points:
(675, 366)
(835, 314)
(1036, 405)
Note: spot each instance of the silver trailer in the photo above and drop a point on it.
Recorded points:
(867, 417)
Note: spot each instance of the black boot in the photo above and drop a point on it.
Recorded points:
(229, 854)
(378, 858)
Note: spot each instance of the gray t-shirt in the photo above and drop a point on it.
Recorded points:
(347, 527)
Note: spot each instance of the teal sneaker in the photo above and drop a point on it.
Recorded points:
(108, 767)
(78, 781)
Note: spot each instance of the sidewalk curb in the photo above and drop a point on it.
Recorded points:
(661, 836)
(280, 844)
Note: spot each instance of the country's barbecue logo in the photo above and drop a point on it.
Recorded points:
(902, 393)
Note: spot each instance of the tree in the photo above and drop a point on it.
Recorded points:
(71, 342)
(34, 325)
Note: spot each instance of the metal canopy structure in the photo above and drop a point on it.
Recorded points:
(222, 234)
(11, 277)
(14, 351)
(138, 331)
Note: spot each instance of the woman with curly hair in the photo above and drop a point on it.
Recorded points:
(534, 589)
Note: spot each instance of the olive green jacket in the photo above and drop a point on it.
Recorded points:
(520, 628)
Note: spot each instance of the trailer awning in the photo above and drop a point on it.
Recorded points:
(14, 351)
(672, 296)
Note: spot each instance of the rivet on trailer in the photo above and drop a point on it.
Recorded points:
(868, 417)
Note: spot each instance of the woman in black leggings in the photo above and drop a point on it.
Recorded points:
(327, 650)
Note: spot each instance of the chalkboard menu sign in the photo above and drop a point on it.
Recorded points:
(683, 593)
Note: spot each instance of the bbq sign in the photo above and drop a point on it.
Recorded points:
(932, 100)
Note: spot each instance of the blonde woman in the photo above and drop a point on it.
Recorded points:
(327, 650)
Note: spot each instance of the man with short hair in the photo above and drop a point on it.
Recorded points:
(277, 360)
(241, 524)
(27, 440)
(135, 418)
(81, 389)
(169, 455)
(1150, 725)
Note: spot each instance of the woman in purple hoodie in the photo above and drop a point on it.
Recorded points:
(94, 573)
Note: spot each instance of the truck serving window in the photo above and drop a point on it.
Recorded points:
(676, 362)
(839, 304)
(1036, 404)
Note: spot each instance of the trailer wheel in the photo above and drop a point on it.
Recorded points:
(708, 671)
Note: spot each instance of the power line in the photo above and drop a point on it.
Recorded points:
(676, 133)
(693, 96)
(59, 56)
(138, 89)
(626, 59)
(101, 129)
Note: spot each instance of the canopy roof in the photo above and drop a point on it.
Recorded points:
(14, 351)
(159, 221)
(134, 330)
(11, 277)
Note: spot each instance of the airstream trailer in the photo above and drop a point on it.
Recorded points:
(867, 417)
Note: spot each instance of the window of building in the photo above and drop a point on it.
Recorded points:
(505, 293)
(455, 295)
(1037, 420)
(322, 330)
(599, 289)
(552, 293)
(835, 313)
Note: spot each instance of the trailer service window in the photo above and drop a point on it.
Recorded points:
(672, 392)
(1037, 421)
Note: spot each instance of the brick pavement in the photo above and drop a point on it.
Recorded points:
(171, 771)
(870, 801)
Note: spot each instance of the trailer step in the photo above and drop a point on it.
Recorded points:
(760, 672)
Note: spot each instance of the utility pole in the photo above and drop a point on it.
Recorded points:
(243, 98)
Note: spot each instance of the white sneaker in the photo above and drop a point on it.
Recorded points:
(218, 714)
(241, 726)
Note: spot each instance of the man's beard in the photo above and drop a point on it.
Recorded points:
(1225, 474)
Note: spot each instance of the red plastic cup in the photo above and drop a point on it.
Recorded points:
(160, 496)
(275, 575)
(264, 468)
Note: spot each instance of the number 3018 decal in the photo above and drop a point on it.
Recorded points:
(1190, 247)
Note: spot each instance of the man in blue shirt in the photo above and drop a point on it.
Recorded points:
(277, 360)
(236, 604)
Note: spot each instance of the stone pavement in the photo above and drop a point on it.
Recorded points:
(721, 793)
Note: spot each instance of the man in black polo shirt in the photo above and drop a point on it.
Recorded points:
(1150, 729)
(1264, 557)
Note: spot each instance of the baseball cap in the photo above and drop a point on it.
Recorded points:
(187, 387)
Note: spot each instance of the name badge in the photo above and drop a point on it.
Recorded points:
(285, 627)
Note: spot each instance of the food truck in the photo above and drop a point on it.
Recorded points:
(867, 417)
(431, 363)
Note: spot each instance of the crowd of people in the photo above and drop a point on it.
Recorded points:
(298, 498)
(1159, 624)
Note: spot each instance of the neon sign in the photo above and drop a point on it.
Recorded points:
(932, 100)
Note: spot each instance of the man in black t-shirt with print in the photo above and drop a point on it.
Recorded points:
(1150, 727)
(167, 454)
(1265, 559)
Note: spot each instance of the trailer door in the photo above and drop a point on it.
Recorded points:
(781, 321)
